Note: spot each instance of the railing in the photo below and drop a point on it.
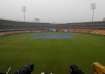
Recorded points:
(98, 68)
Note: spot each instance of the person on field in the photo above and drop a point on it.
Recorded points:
(42, 72)
(74, 69)
(26, 69)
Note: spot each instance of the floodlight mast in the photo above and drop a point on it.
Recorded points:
(24, 13)
(93, 7)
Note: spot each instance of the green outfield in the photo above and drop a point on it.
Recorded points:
(51, 55)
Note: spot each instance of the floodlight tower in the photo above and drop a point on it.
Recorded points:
(93, 7)
(24, 12)
(104, 19)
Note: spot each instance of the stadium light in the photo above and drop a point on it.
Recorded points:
(104, 19)
(93, 7)
(24, 12)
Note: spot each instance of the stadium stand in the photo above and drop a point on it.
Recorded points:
(83, 27)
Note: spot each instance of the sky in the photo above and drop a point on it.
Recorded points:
(54, 11)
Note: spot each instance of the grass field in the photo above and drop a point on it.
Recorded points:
(51, 55)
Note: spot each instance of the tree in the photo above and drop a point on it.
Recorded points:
(37, 20)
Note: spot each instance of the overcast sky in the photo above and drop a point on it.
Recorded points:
(58, 11)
